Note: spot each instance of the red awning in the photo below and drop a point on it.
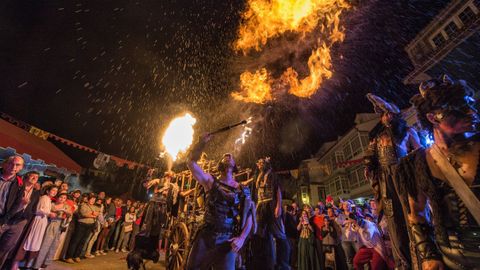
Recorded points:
(26, 143)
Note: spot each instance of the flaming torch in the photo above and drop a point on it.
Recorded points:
(179, 135)
(243, 122)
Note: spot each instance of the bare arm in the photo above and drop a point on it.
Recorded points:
(247, 182)
(247, 228)
(202, 177)
(422, 234)
(237, 242)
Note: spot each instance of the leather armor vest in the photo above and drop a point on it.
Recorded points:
(265, 188)
(222, 207)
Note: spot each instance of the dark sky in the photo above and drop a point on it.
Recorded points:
(111, 74)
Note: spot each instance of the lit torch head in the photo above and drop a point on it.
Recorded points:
(179, 135)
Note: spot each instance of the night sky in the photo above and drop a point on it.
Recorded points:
(111, 74)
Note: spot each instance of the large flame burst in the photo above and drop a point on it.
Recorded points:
(268, 19)
(179, 135)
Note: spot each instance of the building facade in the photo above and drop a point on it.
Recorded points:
(448, 45)
(337, 168)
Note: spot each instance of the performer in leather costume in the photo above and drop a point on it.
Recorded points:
(229, 215)
(447, 110)
(270, 222)
(390, 140)
(155, 214)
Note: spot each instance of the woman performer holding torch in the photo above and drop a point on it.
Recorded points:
(229, 214)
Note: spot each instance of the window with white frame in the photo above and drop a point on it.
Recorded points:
(356, 146)
(339, 156)
(347, 150)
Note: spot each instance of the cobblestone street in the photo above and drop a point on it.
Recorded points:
(112, 261)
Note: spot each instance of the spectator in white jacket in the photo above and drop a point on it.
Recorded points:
(127, 229)
(372, 248)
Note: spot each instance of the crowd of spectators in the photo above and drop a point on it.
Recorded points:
(342, 235)
(47, 221)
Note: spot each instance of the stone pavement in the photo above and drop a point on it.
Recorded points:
(111, 261)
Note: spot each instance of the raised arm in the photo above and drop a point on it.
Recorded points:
(202, 177)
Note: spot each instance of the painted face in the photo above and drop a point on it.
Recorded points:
(13, 166)
(457, 120)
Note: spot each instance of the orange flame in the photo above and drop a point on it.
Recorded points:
(268, 19)
(319, 65)
(255, 87)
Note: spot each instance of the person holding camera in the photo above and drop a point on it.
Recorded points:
(349, 242)
(331, 240)
(307, 257)
(372, 250)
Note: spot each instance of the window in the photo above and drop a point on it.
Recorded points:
(451, 29)
(347, 151)
(354, 183)
(356, 177)
(339, 156)
(356, 146)
(467, 15)
(365, 141)
(438, 40)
